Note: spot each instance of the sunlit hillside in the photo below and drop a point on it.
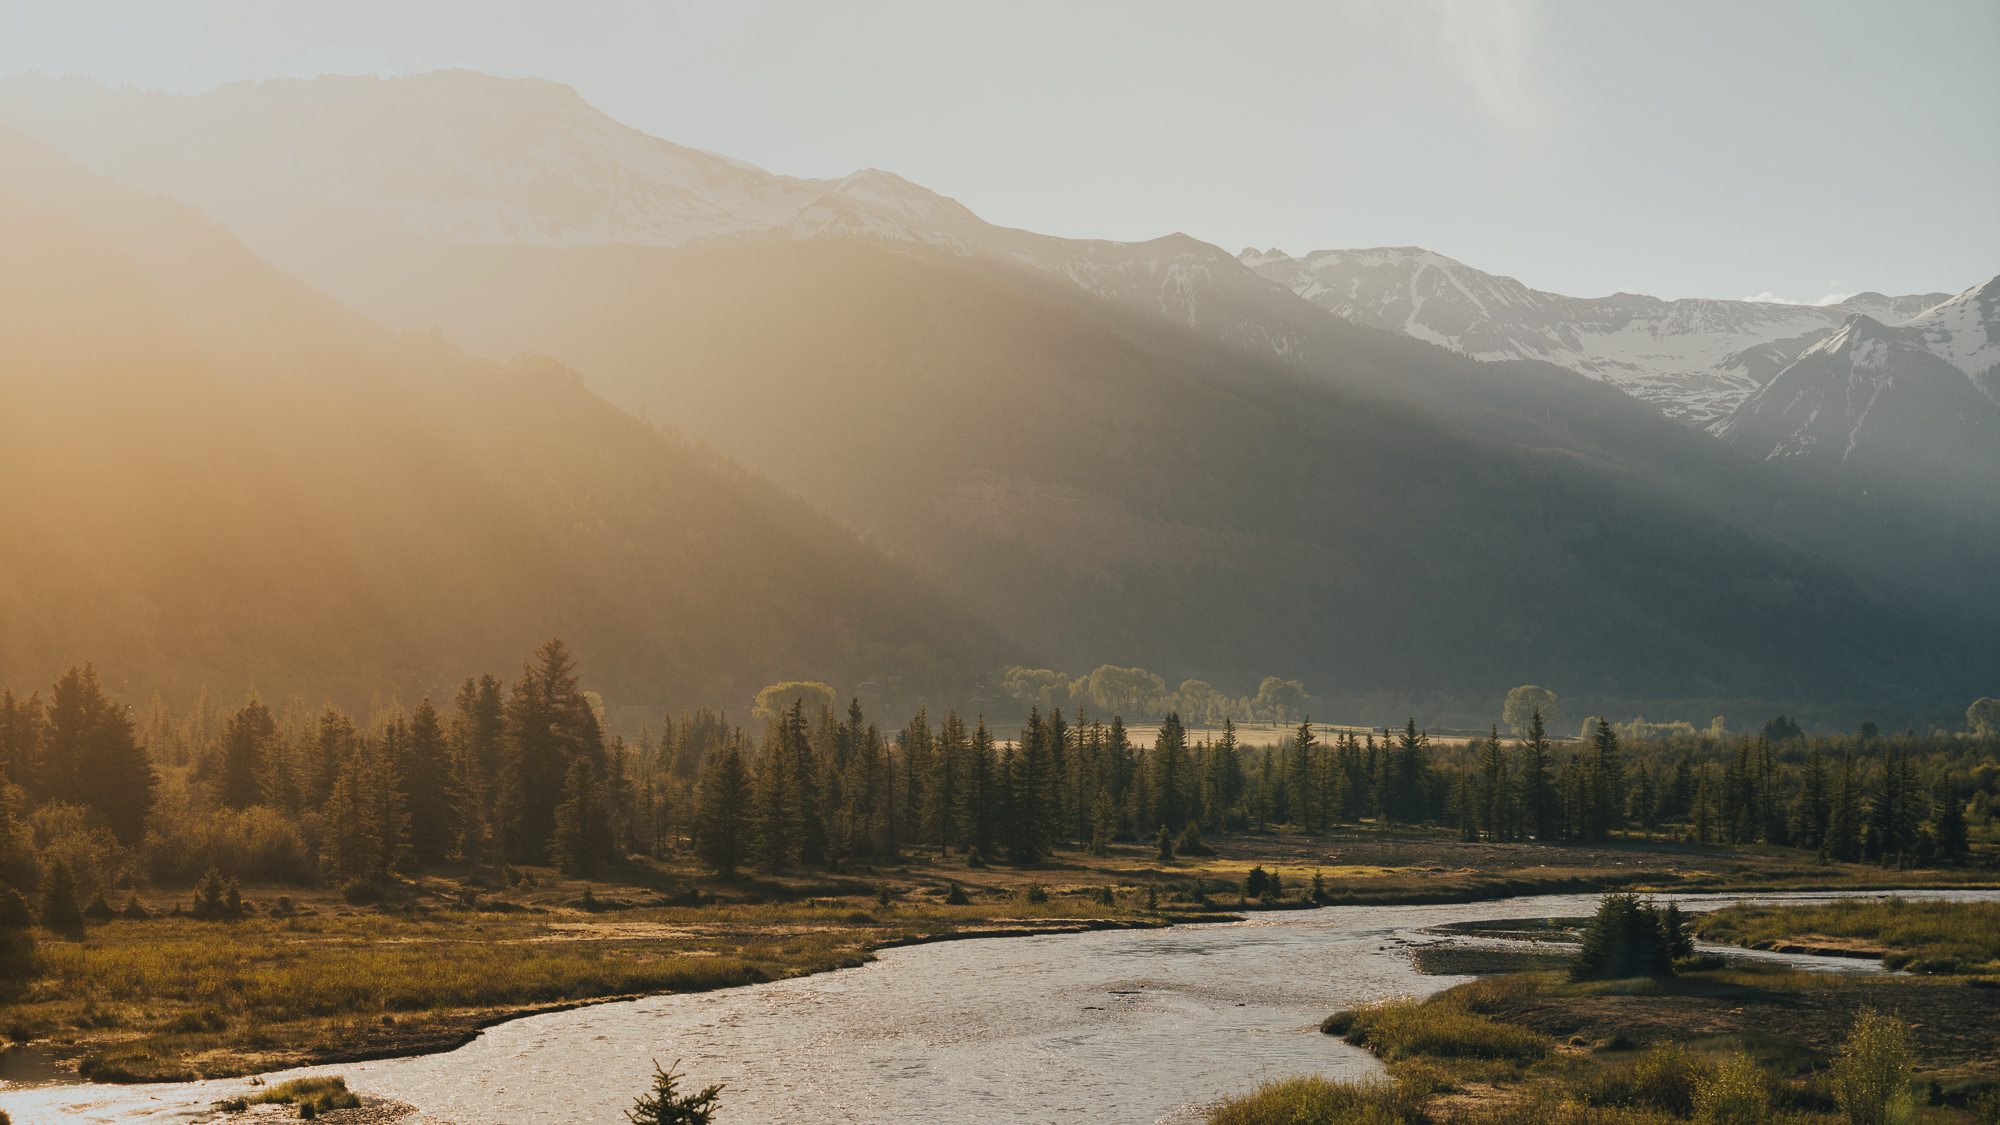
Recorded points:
(215, 474)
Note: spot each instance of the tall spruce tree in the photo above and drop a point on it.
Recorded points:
(582, 837)
(1845, 818)
(245, 738)
(548, 723)
(92, 755)
(1172, 774)
(723, 837)
(1812, 809)
(1538, 797)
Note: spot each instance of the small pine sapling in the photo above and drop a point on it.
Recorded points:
(664, 1105)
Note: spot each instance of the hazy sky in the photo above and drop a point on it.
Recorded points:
(1679, 149)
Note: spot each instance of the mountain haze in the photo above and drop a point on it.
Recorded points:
(218, 475)
(1129, 453)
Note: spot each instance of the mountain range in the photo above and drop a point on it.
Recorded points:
(1081, 451)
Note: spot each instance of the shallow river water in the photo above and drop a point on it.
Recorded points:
(1117, 1026)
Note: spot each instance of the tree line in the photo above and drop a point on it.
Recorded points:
(523, 773)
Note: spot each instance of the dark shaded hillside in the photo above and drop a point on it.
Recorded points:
(1110, 488)
(215, 474)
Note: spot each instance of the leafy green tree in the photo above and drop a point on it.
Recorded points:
(723, 838)
(1527, 702)
(1280, 699)
(1984, 717)
(59, 911)
(1871, 1075)
(666, 1105)
(775, 700)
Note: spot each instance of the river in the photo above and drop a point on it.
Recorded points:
(1114, 1026)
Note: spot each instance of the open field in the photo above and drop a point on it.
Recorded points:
(333, 981)
(1924, 937)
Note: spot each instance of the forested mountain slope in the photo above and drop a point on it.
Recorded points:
(1107, 487)
(215, 474)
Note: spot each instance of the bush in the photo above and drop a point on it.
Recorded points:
(1871, 1077)
(133, 911)
(99, 910)
(361, 892)
(957, 896)
(14, 912)
(1190, 842)
(1734, 1094)
(1319, 1101)
(1035, 893)
(256, 843)
(1669, 1076)
(1399, 1029)
(313, 1096)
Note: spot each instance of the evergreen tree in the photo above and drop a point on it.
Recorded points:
(210, 897)
(245, 739)
(430, 788)
(547, 724)
(723, 838)
(1465, 806)
(1538, 798)
(21, 722)
(59, 911)
(14, 912)
(1495, 804)
(92, 756)
(665, 1105)
(1623, 939)
(333, 747)
(944, 788)
(1845, 819)
(1163, 846)
(1172, 773)
(1225, 774)
(582, 838)
(1948, 824)
(978, 794)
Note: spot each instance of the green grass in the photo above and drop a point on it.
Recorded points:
(1318, 1101)
(1441, 1027)
(321, 1093)
(1928, 937)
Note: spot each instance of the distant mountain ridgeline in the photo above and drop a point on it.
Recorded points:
(1104, 453)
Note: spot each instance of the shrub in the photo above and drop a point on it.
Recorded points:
(1164, 846)
(314, 1095)
(361, 892)
(1399, 1029)
(133, 911)
(1318, 1101)
(256, 843)
(1669, 1076)
(1035, 893)
(957, 896)
(17, 954)
(1871, 1077)
(1190, 842)
(973, 858)
(99, 910)
(1105, 896)
(1734, 1094)
(14, 912)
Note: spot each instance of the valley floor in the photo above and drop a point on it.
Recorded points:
(329, 981)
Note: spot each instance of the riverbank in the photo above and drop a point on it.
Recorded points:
(307, 978)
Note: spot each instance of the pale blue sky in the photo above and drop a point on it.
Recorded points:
(1682, 149)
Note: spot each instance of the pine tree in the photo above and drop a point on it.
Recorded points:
(1163, 846)
(547, 725)
(1538, 803)
(943, 788)
(1171, 773)
(1465, 806)
(1623, 940)
(429, 788)
(977, 795)
(1812, 809)
(1948, 824)
(245, 740)
(1494, 803)
(1845, 821)
(582, 838)
(92, 756)
(59, 911)
(209, 897)
(726, 795)
(665, 1105)
(14, 912)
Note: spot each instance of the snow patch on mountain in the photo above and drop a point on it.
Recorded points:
(1695, 359)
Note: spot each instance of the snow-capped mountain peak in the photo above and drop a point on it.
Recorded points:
(1695, 359)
